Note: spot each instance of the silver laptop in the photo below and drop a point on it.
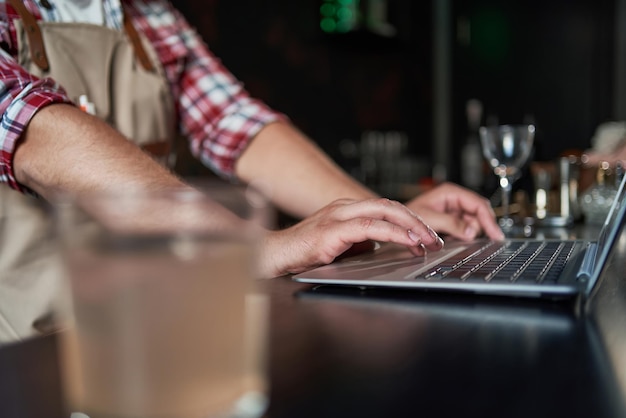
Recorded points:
(516, 267)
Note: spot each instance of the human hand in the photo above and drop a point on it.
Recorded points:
(329, 232)
(457, 211)
(594, 158)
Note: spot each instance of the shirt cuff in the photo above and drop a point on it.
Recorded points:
(15, 120)
(234, 134)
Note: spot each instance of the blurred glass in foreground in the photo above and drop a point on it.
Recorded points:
(163, 319)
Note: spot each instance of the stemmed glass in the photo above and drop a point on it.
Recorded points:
(507, 148)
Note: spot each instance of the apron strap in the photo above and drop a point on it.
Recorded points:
(38, 49)
(35, 40)
(140, 52)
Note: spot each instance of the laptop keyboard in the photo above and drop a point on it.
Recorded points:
(515, 261)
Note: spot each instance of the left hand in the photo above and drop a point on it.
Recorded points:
(456, 211)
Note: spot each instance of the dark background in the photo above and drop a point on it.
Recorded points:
(548, 62)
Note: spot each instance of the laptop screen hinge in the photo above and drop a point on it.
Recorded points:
(589, 261)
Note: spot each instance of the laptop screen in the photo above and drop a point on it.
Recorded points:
(608, 234)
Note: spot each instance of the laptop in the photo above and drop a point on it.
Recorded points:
(552, 268)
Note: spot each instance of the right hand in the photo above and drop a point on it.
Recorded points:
(457, 211)
(329, 232)
(594, 158)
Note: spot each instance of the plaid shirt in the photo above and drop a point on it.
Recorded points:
(214, 111)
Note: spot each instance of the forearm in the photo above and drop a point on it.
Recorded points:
(64, 149)
(302, 178)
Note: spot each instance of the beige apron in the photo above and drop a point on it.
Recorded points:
(122, 76)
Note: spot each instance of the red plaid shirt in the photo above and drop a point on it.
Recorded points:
(214, 111)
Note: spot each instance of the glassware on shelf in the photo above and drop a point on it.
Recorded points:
(507, 148)
(596, 201)
(471, 154)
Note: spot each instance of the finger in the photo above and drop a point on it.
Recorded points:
(315, 241)
(326, 245)
(487, 220)
(472, 228)
(394, 213)
(479, 208)
(456, 225)
(453, 199)
(594, 159)
(360, 229)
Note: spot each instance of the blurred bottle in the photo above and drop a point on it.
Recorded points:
(569, 181)
(596, 201)
(569, 173)
(543, 182)
(472, 175)
(619, 174)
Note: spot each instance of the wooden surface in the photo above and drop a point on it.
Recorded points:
(408, 354)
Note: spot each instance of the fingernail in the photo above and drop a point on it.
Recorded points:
(414, 236)
(432, 233)
(470, 232)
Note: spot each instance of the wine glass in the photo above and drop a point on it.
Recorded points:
(507, 148)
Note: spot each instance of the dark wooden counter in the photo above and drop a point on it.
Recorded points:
(337, 353)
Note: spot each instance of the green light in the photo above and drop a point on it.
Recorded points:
(344, 26)
(339, 15)
(328, 25)
(344, 13)
(327, 10)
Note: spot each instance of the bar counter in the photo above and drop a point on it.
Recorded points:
(347, 353)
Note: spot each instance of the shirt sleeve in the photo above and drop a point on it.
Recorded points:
(21, 96)
(215, 112)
